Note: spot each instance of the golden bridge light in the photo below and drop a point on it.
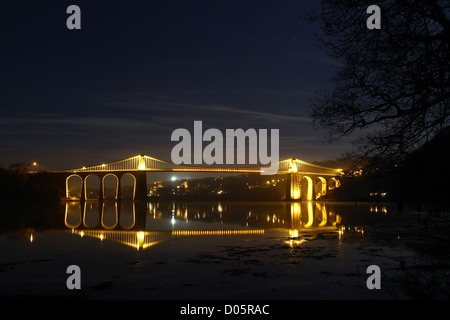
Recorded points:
(293, 166)
(140, 239)
(135, 239)
(341, 231)
(216, 232)
(293, 233)
(141, 163)
(294, 238)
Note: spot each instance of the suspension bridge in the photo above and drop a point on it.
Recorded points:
(301, 176)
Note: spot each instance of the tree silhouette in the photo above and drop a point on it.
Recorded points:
(392, 85)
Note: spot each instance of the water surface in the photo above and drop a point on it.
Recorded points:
(202, 250)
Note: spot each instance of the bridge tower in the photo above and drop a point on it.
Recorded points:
(141, 180)
(302, 180)
(293, 184)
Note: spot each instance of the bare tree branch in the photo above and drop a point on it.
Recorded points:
(393, 82)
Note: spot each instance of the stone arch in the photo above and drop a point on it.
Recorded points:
(320, 187)
(92, 190)
(306, 187)
(333, 183)
(74, 192)
(127, 186)
(110, 188)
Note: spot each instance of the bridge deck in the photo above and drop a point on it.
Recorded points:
(144, 163)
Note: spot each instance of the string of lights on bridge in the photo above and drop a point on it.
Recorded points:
(147, 163)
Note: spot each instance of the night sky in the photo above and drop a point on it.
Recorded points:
(136, 71)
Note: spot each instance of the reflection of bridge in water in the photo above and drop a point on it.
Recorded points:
(143, 225)
(306, 181)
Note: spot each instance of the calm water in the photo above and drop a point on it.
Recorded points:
(199, 250)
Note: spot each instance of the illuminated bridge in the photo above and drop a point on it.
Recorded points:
(306, 181)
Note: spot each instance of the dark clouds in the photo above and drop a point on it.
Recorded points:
(139, 70)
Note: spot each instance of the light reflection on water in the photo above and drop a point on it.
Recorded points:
(167, 217)
(142, 225)
(134, 239)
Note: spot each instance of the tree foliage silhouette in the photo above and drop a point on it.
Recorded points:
(391, 86)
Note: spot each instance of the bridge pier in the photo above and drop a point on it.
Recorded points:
(119, 191)
(140, 193)
(102, 185)
(302, 186)
(293, 184)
